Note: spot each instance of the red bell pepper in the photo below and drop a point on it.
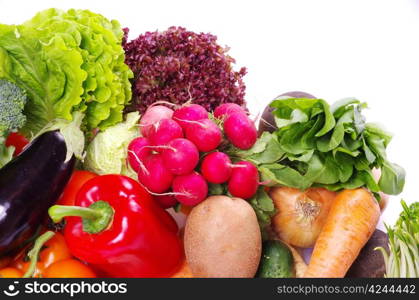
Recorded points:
(18, 141)
(118, 228)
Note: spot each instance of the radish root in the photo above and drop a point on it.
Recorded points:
(191, 122)
(165, 194)
(142, 166)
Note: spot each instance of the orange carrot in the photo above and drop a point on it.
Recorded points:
(183, 272)
(350, 223)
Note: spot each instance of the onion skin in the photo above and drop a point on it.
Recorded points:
(301, 214)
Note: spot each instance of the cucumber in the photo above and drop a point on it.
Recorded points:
(276, 261)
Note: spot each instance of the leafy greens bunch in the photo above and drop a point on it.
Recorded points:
(324, 146)
(67, 61)
(403, 259)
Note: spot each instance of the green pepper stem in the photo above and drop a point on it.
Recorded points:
(34, 253)
(96, 218)
(58, 212)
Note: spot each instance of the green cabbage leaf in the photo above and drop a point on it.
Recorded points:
(67, 61)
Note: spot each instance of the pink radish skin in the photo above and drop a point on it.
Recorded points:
(164, 131)
(190, 189)
(205, 134)
(152, 116)
(226, 109)
(180, 156)
(137, 152)
(240, 130)
(244, 180)
(189, 112)
(165, 201)
(155, 176)
(216, 167)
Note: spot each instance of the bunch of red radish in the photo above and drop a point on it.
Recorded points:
(177, 155)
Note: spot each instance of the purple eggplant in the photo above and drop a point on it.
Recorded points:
(29, 185)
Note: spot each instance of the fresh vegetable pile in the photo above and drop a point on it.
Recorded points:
(139, 158)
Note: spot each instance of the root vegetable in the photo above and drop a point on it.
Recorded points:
(166, 201)
(152, 116)
(154, 175)
(350, 223)
(222, 238)
(227, 109)
(190, 189)
(216, 167)
(244, 180)
(240, 130)
(164, 131)
(300, 214)
(180, 156)
(189, 112)
(205, 134)
(137, 152)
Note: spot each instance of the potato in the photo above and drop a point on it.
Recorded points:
(267, 122)
(222, 238)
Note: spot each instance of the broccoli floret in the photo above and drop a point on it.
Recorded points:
(12, 103)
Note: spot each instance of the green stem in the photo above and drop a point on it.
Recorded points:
(95, 218)
(58, 212)
(34, 253)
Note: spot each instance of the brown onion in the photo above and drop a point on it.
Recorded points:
(301, 214)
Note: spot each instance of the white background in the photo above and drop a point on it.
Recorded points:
(332, 49)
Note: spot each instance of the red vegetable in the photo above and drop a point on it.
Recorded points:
(244, 180)
(164, 131)
(152, 116)
(190, 189)
(178, 66)
(154, 175)
(189, 112)
(180, 157)
(205, 134)
(77, 180)
(227, 109)
(18, 141)
(138, 151)
(216, 167)
(166, 201)
(240, 130)
(118, 228)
